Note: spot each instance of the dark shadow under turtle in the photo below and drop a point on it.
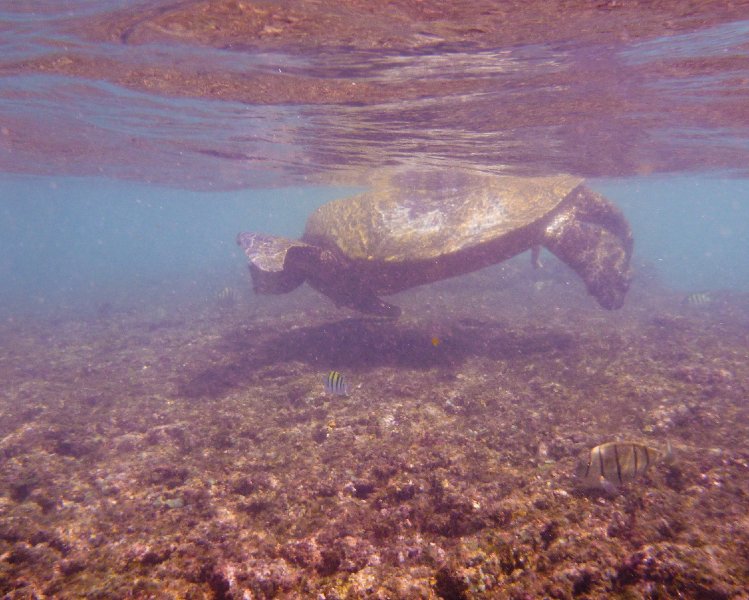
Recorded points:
(420, 227)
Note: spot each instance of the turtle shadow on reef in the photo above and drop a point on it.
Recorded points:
(364, 343)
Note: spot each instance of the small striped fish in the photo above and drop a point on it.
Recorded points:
(699, 299)
(615, 463)
(227, 297)
(335, 384)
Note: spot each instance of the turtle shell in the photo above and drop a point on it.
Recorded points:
(426, 215)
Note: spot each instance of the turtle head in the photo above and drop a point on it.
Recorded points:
(592, 236)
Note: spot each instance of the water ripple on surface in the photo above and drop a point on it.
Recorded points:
(226, 95)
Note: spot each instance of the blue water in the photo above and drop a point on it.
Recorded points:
(71, 244)
(693, 229)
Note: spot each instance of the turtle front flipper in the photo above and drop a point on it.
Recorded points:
(277, 265)
(592, 236)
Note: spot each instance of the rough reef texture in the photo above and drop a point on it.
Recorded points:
(192, 453)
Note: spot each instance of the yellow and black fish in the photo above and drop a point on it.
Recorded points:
(335, 384)
(614, 463)
(698, 299)
(227, 297)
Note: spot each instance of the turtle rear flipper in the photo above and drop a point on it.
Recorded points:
(343, 283)
(277, 265)
(592, 236)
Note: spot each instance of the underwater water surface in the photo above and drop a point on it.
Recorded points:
(166, 432)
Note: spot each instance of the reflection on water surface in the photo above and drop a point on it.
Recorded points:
(242, 93)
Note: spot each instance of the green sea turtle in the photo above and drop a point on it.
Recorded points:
(418, 227)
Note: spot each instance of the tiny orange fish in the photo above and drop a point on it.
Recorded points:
(435, 341)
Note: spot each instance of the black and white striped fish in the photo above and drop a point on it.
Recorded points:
(698, 299)
(615, 463)
(227, 297)
(335, 384)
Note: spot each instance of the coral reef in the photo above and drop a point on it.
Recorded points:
(196, 455)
